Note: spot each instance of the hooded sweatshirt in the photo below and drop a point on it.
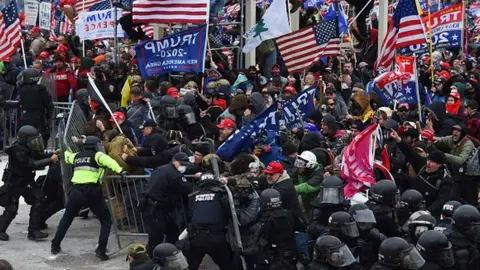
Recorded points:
(364, 101)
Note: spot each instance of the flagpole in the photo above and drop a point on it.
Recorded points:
(83, 41)
(419, 102)
(207, 44)
(115, 32)
(430, 46)
(358, 15)
(23, 53)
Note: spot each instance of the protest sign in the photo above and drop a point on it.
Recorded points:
(31, 12)
(45, 15)
(447, 27)
(99, 25)
(180, 52)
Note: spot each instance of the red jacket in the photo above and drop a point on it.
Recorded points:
(63, 81)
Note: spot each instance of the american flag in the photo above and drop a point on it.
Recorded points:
(170, 11)
(79, 5)
(148, 30)
(405, 30)
(101, 6)
(301, 48)
(10, 30)
(61, 25)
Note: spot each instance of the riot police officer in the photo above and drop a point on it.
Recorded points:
(342, 225)
(411, 201)
(330, 253)
(24, 157)
(168, 257)
(436, 250)
(418, 223)
(383, 200)
(168, 117)
(276, 236)
(330, 199)
(86, 191)
(36, 103)
(445, 223)
(207, 228)
(396, 254)
(465, 236)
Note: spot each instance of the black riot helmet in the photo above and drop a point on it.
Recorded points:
(91, 143)
(31, 76)
(420, 222)
(82, 96)
(412, 200)
(331, 191)
(466, 219)
(450, 207)
(364, 217)
(168, 256)
(169, 107)
(187, 114)
(435, 247)
(270, 199)
(329, 249)
(385, 192)
(30, 137)
(396, 252)
(344, 223)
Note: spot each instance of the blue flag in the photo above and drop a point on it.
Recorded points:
(313, 3)
(428, 98)
(180, 52)
(303, 104)
(395, 91)
(342, 22)
(246, 136)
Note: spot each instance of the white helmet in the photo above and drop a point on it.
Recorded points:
(306, 160)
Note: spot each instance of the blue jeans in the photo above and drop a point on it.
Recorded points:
(267, 63)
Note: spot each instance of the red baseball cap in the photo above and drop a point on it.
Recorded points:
(226, 123)
(274, 167)
(402, 105)
(428, 134)
(35, 29)
(119, 116)
(173, 92)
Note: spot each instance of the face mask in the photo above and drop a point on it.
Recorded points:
(191, 159)
(182, 169)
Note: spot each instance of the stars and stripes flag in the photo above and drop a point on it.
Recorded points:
(60, 25)
(170, 11)
(80, 7)
(405, 30)
(96, 5)
(301, 48)
(10, 30)
(148, 30)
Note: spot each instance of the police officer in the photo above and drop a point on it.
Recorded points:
(411, 201)
(168, 257)
(86, 191)
(207, 228)
(162, 196)
(330, 253)
(445, 223)
(418, 223)
(436, 250)
(24, 157)
(330, 199)
(396, 254)
(342, 225)
(277, 234)
(465, 236)
(168, 117)
(36, 103)
(383, 200)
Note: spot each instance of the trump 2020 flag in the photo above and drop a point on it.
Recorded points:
(357, 162)
(274, 23)
(246, 136)
(180, 52)
(342, 21)
(303, 104)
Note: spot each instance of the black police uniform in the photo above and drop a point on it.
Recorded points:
(207, 228)
(436, 250)
(411, 201)
(445, 223)
(396, 254)
(162, 196)
(36, 103)
(331, 254)
(24, 157)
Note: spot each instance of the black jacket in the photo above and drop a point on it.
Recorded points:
(289, 196)
(167, 185)
(22, 163)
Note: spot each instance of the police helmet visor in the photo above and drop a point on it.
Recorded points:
(411, 259)
(474, 232)
(300, 163)
(341, 257)
(445, 257)
(190, 118)
(36, 143)
(364, 216)
(419, 230)
(171, 112)
(331, 195)
(176, 261)
(350, 229)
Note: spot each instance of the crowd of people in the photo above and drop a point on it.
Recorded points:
(288, 206)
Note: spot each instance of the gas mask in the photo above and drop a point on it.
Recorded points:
(182, 168)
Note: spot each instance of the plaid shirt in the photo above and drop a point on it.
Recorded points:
(473, 124)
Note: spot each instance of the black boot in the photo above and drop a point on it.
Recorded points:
(36, 235)
(101, 254)
(55, 248)
(4, 236)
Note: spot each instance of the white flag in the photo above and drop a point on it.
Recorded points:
(274, 23)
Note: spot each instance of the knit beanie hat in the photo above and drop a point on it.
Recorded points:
(437, 157)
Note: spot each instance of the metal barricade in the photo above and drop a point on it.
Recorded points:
(9, 124)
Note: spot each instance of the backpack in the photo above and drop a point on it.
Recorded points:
(472, 165)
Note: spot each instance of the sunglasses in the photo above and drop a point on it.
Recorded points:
(331, 104)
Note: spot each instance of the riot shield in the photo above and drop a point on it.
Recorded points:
(48, 80)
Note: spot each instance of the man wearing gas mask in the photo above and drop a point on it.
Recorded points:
(418, 223)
